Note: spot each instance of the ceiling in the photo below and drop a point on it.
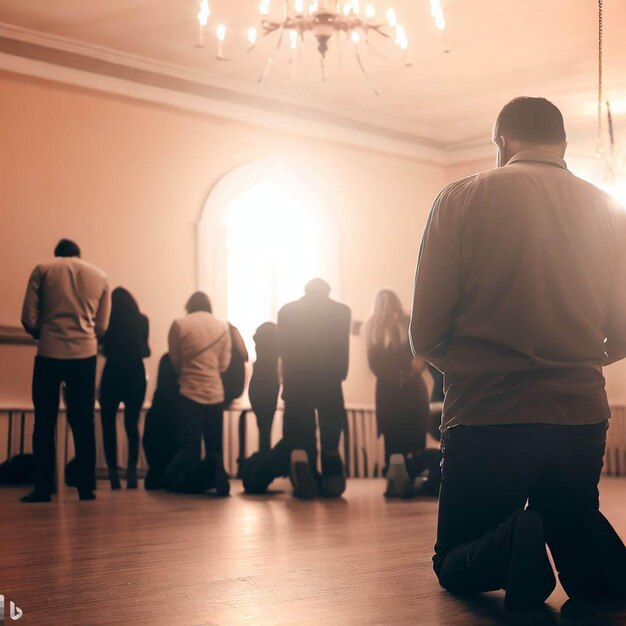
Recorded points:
(498, 49)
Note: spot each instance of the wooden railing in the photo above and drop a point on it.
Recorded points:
(362, 450)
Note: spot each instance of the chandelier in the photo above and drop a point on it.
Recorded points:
(612, 161)
(297, 22)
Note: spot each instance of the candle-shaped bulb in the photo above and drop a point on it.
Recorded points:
(252, 35)
(221, 33)
(400, 34)
(264, 7)
(392, 18)
(293, 39)
(370, 11)
(356, 36)
(204, 13)
(298, 6)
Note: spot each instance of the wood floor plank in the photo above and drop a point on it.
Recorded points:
(157, 559)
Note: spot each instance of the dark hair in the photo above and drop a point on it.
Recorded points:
(535, 120)
(266, 342)
(67, 248)
(126, 333)
(317, 287)
(123, 304)
(199, 301)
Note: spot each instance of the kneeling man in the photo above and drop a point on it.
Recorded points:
(520, 299)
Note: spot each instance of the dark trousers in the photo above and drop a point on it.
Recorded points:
(79, 376)
(300, 432)
(197, 421)
(186, 472)
(122, 382)
(264, 420)
(397, 442)
(489, 472)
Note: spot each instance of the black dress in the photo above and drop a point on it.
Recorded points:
(402, 407)
(263, 392)
(264, 384)
(124, 345)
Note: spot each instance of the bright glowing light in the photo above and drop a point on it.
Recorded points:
(274, 244)
(347, 8)
(436, 11)
(204, 13)
(264, 7)
(252, 35)
(356, 6)
(370, 11)
(313, 7)
(356, 36)
(617, 190)
(293, 39)
(392, 18)
(298, 6)
(221, 32)
(400, 34)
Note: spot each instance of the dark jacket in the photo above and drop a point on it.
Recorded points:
(314, 340)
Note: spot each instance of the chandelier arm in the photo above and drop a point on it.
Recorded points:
(377, 28)
(600, 142)
(270, 61)
(364, 71)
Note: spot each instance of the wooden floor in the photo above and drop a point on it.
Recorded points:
(157, 559)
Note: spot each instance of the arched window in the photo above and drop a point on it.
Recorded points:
(264, 232)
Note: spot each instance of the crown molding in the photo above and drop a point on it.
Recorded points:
(50, 57)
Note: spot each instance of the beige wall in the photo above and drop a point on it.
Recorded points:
(128, 179)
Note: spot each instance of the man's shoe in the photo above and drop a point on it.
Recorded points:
(530, 578)
(609, 552)
(253, 482)
(333, 475)
(36, 496)
(221, 483)
(131, 477)
(399, 483)
(86, 495)
(305, 485)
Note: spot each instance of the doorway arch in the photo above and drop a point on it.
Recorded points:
(263, 232)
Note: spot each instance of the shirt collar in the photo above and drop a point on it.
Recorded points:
(538, 155)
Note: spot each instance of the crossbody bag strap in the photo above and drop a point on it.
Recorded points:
(213, 343)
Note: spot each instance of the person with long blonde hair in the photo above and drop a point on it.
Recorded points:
(402, 403)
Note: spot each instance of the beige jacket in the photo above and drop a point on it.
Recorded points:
(67, 307)
(520, 294)
(200, 349)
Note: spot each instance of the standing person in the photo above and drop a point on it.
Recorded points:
(402, 407)
(199, 349)
(66, 308)
(265, 384)
(314, 335)
(520, 299)
(125, 346)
